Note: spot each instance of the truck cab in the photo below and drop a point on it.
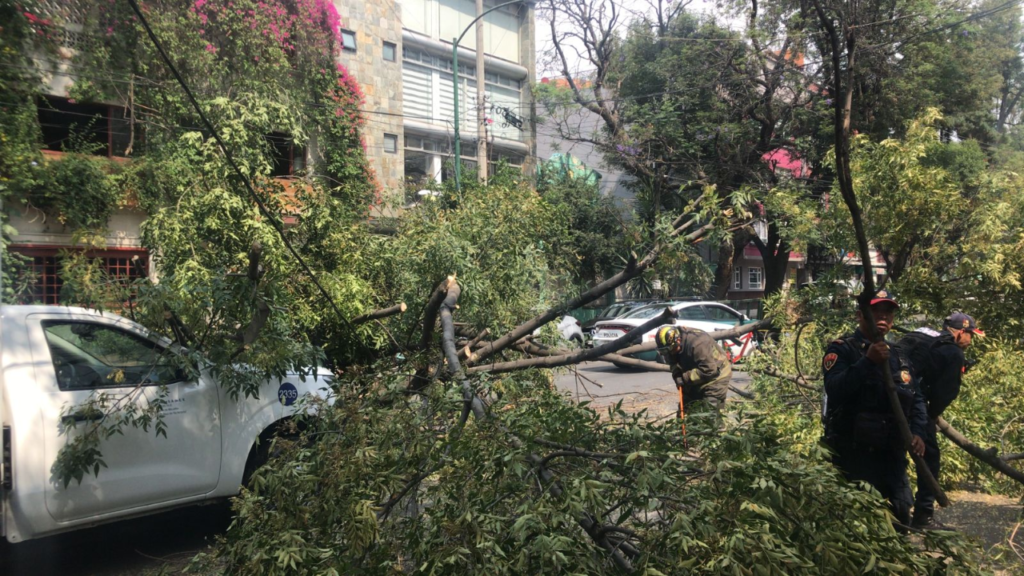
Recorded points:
(55, 358)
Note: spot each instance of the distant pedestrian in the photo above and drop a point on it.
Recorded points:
(939, 365)
(699, 367)
(860, 426)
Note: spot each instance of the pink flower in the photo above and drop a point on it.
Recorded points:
(200, 3)
(211, 49)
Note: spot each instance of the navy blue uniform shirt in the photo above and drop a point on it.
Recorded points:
(853, 384)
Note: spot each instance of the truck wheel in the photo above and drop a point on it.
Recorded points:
(261, 453)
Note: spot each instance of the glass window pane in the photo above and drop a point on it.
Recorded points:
(87, 355)
(722, 314)
(389, 51)
(691, 313)
(348, 40)
(390, 143)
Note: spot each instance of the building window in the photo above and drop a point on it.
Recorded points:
(348, 41)
(41, 273)
(288, 158)
(87, 128)
(389, 51)
(754, 278)
(737, 278)
(391, 144)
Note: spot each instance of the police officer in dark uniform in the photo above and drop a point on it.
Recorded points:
(699, 366)
(860, 426)
(939, 365)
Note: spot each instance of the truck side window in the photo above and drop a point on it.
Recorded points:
(87, 355)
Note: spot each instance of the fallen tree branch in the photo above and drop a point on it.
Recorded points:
(635, 362)
(742, 393)
(430, 311)
(382, 313)
(633, 269)
(467, 351)
(989, 456)
(1012, 457)
(665, 317)
(798, 380)
(473, 404)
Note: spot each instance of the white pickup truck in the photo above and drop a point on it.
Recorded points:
(53, 357)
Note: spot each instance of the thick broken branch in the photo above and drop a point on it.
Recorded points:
(467, 351)
(382, 313)
(255, 251)
(553, 361)
(989, 456)
(634, 362)
(430, 311)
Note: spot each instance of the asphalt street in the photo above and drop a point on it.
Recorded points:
(603, 385)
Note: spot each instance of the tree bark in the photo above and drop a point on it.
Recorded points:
(382, 313)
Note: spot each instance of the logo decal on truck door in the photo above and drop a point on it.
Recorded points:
(287, 394)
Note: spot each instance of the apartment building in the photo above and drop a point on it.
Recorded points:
(401, 53)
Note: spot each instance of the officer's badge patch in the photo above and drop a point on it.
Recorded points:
(829, 361)
(967, 323)
(906, 376)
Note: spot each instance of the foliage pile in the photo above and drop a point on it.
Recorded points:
(333, 502)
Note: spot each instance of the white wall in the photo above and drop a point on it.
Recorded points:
(446, 19)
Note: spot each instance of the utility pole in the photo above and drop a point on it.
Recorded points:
(481, 96)
(480, 81)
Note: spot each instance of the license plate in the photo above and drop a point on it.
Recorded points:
(608, 334)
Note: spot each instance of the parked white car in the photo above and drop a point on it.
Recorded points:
(571, 329)
(55, 357)
(706, 316)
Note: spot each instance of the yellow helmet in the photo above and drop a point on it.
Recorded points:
(668, 337)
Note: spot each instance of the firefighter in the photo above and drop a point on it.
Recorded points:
(699, 367)
(939, 365)
(860, 426)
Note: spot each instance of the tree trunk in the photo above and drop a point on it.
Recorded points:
(728, 253)
(775, 257)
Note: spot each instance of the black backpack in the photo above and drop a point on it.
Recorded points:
(917, 345)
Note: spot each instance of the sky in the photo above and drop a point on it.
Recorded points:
(546, 64)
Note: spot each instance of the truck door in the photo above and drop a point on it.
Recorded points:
(81, 356)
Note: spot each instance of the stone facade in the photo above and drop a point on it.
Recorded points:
(375, 23)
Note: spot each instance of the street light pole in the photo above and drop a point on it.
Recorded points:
(480, 85)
